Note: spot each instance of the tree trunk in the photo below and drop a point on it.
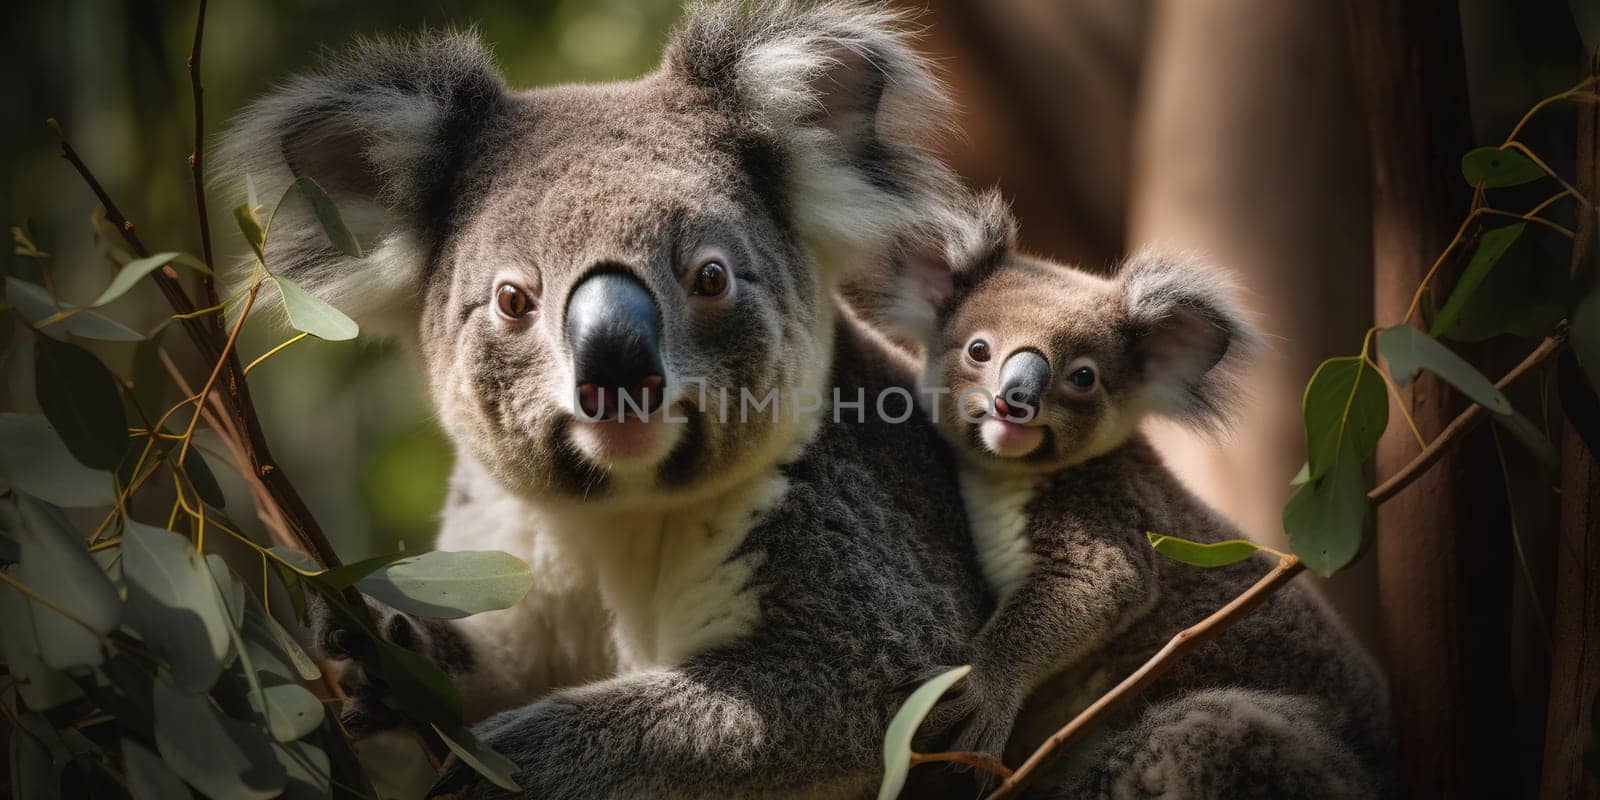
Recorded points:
(1443, 552)
(1575, 662)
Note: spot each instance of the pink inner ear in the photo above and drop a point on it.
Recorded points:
(1183, 345)
(932, 278)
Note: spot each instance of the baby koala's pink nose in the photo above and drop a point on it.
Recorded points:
(1001, 410)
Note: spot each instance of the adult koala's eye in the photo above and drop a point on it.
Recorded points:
(512, 302)
(978, 350)
(711, 280)
(1081, 376)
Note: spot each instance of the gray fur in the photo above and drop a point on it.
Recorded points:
(739, 614)
(1283, 704)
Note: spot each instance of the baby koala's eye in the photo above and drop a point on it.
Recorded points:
(711, 280)
(512, 302)
(978, 350)
(1081, 376)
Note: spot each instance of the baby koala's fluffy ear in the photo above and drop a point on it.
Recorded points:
(1191, 337)
(385, 128)
(944, 258)
(850, 108)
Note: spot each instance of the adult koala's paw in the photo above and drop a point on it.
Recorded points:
(364, 710)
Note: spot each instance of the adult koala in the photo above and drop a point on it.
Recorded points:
(736, 603)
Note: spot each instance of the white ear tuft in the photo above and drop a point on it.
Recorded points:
(852, 108)
(944, 258)
(384, 129)
(1192, 338)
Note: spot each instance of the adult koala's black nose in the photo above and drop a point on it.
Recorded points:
(1023, 380)
(614, 332)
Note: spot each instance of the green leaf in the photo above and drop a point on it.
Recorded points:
(1202, 554)
(266, 633)
(290, 710)
(148, 776)
(1497, 168)
(215, 753)
(34, 304)
(1303, 476)
(42, 687)
(204, 480)
(483, 760)
(1524, 290)
(229, 588)
(1345, 401)
(309, 313)
(56, 565)
(1492, 246)
(1531, 437)
(37, 462)
(251, 228)
(1584, 334)
(450, 585)
(132, 271)
(309, 770)
(174, 605)
(1410, 350)
(36, 773)
(1329, 520)
(903, 728)
(328, 216)
(346, 575)
(81, 399)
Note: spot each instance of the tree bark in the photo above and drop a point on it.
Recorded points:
(1443, 552)
(1575, 660)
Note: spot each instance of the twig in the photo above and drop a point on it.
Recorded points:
(208, 286)
(982, 761)
(1287, 568)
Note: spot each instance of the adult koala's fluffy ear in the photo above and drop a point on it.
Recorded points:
(849, 105)
(1189, 335)
(384, 128)
(942, 259)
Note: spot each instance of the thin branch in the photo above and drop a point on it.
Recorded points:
(208, 286)
(982, 761)
(1287, 568)
(1185, 642)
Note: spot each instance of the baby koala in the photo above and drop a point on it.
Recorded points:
(1038, 375)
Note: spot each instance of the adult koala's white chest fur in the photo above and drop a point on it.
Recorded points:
(730, 604)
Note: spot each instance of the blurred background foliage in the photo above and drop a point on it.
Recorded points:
(350, 420)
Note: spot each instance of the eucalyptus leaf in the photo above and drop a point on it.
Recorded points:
(219, 755)
(232, 591)
(302, 562)
(174, 605)
(1345, 402)
(291, 711)
(1497, 168)
(311, 314)
(266, 634)
(327, 214)
(132, 271)
(349, 574)
(204, 480)
(308, 768)
(148, 777)
(1409, 351)
(41, 686)
(36, 770)
(1519, 287)
(483, 760)
(1202, 554)
(1330, 519)
(250, 226)
(34, 304)
(56, 566)
(903, 728)
(81, 399)
(450, 585)
(1531, 437)
(37, 462)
